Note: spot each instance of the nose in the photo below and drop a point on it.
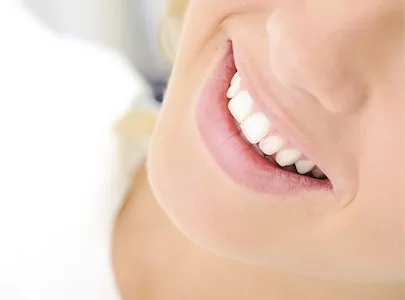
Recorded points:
(323, 48)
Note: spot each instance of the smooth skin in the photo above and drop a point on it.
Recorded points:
(337, 70)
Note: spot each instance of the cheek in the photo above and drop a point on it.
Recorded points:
(378, 213)
(218, 214)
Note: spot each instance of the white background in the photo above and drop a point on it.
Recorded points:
(131, 26)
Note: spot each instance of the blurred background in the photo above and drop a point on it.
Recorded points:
(129, 26)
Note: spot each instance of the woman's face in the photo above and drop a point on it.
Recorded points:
(320, 84)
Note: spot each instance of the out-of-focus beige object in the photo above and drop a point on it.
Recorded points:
(137, 122)
(171, 26)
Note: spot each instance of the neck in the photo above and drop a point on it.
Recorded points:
(153, 261)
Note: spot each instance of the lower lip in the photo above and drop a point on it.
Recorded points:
(231, 152)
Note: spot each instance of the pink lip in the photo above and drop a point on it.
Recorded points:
(234, 155)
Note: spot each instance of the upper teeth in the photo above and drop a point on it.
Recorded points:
(235, 86)
(287, 156)
(304, 166)
(241, 106)
(271, 144)
(257, 129)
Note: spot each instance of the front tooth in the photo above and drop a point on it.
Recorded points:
(241, 106)
(316, 172)
(304, 166)
(234, 89)
(288, 156)
(255, 127)
(271, 144)
(235, 78)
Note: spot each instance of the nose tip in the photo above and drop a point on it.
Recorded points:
(313, 60)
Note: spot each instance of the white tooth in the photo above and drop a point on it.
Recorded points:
(241, 106)
(288, 156)
(317, 173)
(271, 144)
(235, 78)
(234, 89)
(255, 127)
(304, 166)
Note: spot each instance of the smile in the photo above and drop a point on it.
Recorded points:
(245, 143)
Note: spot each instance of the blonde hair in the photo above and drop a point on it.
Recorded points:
(171, 26)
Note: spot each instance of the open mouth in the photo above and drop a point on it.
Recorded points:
(244, 141)
(262, 134)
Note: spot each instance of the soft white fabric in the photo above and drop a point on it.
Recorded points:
(60, 184)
